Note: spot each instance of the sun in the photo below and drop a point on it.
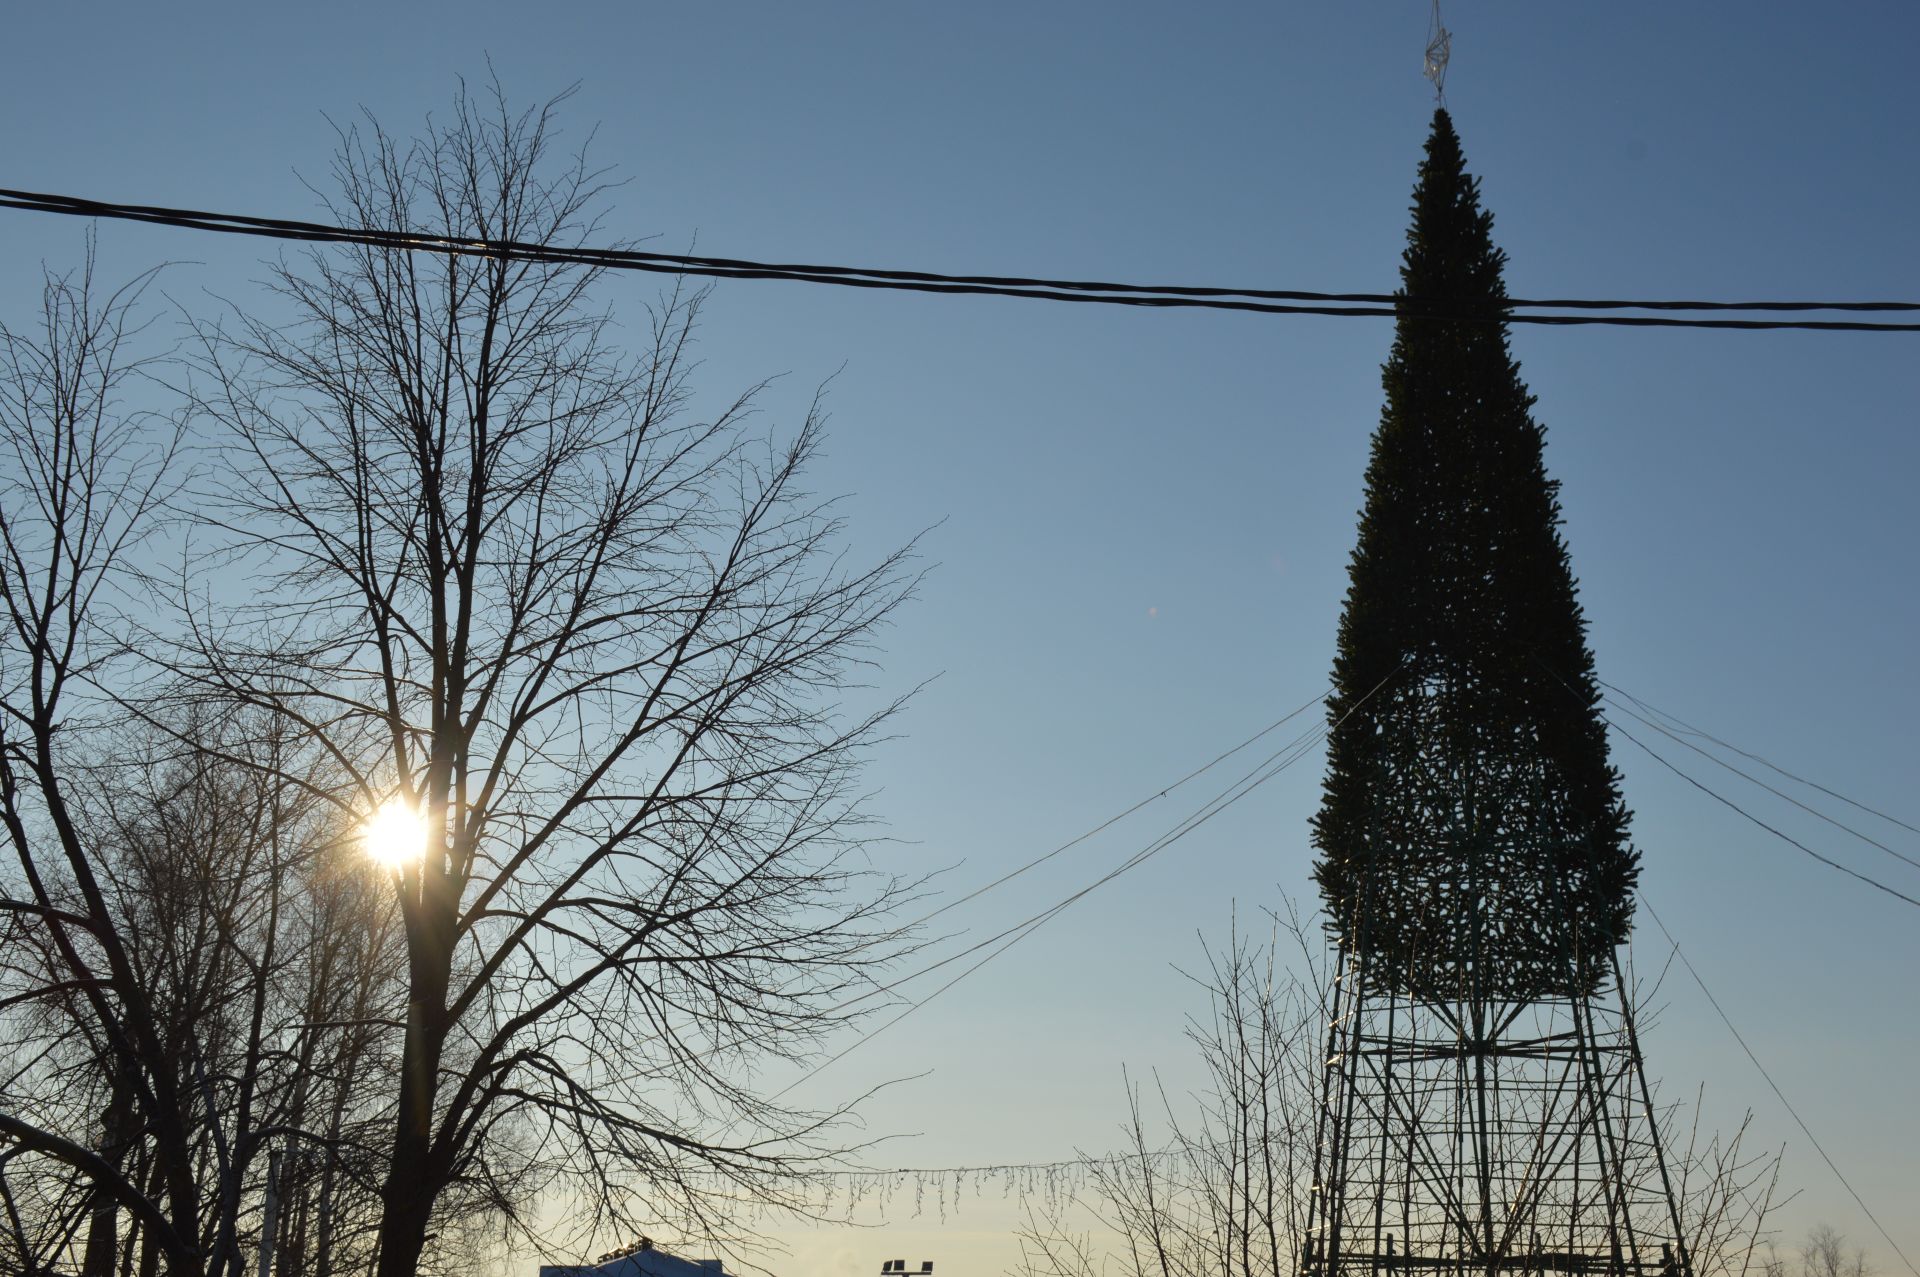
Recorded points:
(396, 835)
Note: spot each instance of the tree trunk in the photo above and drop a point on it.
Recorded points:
(408, 1194)
(412, 1182)
(103, 1228)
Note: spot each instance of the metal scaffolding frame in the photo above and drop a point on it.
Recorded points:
(1487, 1135)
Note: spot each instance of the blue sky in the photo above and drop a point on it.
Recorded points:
(1141, 519)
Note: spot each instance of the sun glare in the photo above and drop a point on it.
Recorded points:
(396, 835)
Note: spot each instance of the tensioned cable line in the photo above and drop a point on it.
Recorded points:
(1742, 811)
(1703, 734)
(1290, 752)
(1262, 772)
(1071, 843)
(1104, 825)
(1815, 812)
(1256, 300)
(1775, 1087)
(1021, 930)
(1614, 725)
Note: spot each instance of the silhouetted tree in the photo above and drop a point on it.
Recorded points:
(1224, 1191)
(1471, 822)
(81, 476)
(498, 569)
(264, 945)
(182, 948)
(1826, 1254)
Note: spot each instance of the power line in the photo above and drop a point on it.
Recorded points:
(1614, 725)
(1775, 1087)
(1690, 729)
(1262, 772)
(1817, 814)
(1037, 861)
(1784, 837)
(1256, 300)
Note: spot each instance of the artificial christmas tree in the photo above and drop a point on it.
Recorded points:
(1486, 1108)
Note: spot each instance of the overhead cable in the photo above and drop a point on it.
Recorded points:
(1272, 301)
(1613, 724)
(1262, 772)
(1690, 730)
(1775, 1088)
(1680, 739)
(1717, 796)
(1006, 939)
(1108, 823)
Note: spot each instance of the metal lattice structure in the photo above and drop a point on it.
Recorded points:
(1488, 1136)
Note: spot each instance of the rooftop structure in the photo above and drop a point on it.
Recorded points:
(642, 1259)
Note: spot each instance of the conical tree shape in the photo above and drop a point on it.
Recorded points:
(1473, 843)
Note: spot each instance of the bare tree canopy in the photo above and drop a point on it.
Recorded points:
(596, 644)
(462, 579)
(1826, 1254)
(80, 478)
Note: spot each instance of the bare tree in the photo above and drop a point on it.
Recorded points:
(1224, 1190)
(268, 947)
(598, 647)
(1726, 1192)
(263, 945)
(80, 477)
(1825, 1254)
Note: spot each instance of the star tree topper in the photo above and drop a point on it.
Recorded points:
(1439, 44)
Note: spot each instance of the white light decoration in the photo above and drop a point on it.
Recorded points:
(396, 835)
(1439, 47)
